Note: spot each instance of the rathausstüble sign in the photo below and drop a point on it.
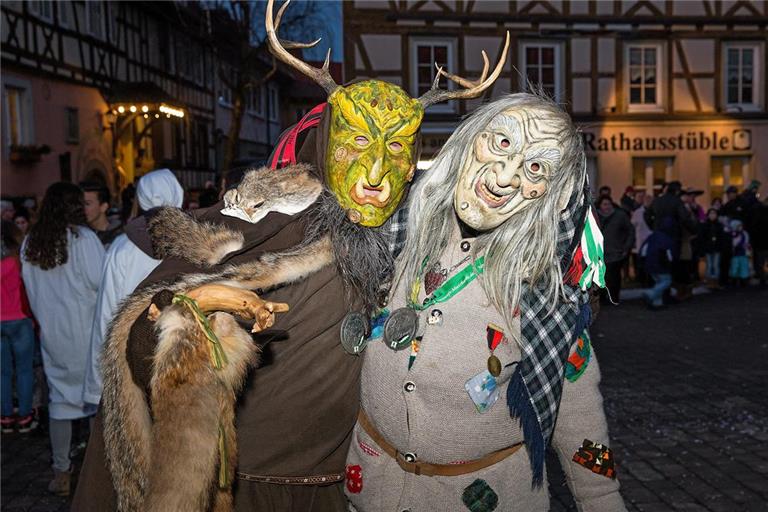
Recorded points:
(737, 140)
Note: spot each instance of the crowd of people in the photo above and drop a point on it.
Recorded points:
(671, 243)
(74, 246)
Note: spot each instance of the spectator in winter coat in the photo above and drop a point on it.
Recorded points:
(712, 237)
(670, 205)
(642, 232)
(739, 272)
(659, 254)
(734, 206)
(628, 202)
(128, 262)
(619, 237)
(760, 241)
(61, 264)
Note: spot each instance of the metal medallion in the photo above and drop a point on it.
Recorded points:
(400, 328)
(494, 366)
(354, 333)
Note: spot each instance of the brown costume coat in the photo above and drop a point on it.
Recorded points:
(296, 411)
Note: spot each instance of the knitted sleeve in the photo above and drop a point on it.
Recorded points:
(582, 417)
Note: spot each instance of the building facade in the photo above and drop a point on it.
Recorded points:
(662, 90)
(108, 91)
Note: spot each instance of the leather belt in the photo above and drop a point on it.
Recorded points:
(293, 480)
(408, 463)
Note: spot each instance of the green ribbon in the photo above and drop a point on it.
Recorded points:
(223, 459)
(218, 356)
(450, 288)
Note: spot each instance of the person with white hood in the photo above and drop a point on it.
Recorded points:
(128, 262)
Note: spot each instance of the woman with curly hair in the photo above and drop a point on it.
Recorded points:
(62, 261)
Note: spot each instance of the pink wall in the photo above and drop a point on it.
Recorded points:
(49, 102)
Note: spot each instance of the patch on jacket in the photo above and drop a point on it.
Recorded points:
(596, 457)
(354, 478)
(579, 358)
(479, 497)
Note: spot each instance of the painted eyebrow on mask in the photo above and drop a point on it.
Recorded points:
(547, 153)
(509, 125)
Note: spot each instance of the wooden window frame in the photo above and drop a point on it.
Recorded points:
(26, 111)
(758, 76)
(273, 110)
(559, 88)
(71, 138)
(451, 43)
(661, 76)
(88, 31)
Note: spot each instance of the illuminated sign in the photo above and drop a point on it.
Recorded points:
(737, 140)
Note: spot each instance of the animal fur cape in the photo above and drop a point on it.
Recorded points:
(190, 399)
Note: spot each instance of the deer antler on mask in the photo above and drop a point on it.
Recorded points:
(371, 154)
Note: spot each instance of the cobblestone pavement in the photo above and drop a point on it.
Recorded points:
(686, 402)
(685, 395)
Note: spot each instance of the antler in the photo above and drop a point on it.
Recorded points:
(278, 48)
(472, 88)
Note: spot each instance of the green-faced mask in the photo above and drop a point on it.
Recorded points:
(371, 154)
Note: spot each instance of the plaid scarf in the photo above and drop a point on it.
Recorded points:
(536, 385)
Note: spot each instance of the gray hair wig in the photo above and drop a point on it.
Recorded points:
(524, 247)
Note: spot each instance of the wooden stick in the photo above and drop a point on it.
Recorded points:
(238, 301)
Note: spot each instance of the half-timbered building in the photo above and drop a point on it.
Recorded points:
(661, 89)
(102, 90)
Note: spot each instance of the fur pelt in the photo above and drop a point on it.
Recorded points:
(191, 402)
(203, 243)
(145, 449)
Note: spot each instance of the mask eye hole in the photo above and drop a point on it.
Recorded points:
(505, 143)
(361, 140)
(535, 167)
(395, 147)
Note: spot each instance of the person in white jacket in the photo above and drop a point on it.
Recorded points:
(61, 262)
(128, 262)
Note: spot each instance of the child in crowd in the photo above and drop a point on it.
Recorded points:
(659, 252)
(739, 271)
(712, 238)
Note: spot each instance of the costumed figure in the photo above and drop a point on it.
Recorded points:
(312, 238)
(482, 358)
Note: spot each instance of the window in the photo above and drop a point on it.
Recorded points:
(652, 173)
(72, 125)
(63, 9)
(425, 53)
(273, 102)
(644, 76)
(94, 18)
(42, 9)
(258, 100)
(111, 18)
(726, 171)
(14, 117)
(541, 63)
(742, 75)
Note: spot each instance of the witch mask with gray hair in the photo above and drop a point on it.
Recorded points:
(514, 172)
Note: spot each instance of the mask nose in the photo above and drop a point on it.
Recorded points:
(376, 174)
(506, 172)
